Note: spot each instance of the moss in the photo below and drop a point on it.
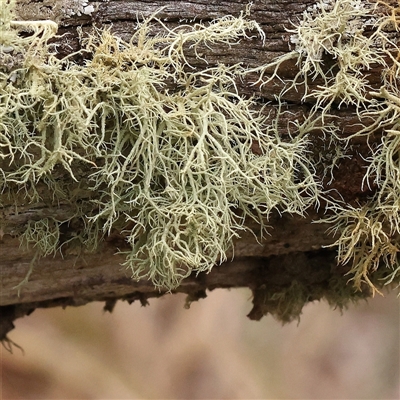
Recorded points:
(285, 303)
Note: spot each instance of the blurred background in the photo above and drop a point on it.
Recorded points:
(211, 351)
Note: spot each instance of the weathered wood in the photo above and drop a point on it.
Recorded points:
(99, 275)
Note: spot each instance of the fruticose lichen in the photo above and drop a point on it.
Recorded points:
(175, 169)
(330, 44)
(332, 49)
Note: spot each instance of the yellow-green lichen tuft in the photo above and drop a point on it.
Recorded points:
(368, 235)
(174, 169)
(334, 55)
(165, 153)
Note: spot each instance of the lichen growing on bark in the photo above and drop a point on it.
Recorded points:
(330, 45)
(176, 170)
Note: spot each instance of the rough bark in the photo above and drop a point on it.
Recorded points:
(293, 253)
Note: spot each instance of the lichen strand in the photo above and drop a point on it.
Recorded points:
(368, 237)
(173, 169)
(176, 170)
(331, 47)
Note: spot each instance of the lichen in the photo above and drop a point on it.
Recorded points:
(367, 237)
(58, 11)
(174, 169)
(43, 236)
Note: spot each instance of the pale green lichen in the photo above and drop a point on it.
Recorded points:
(43, 236)
(334, 55)
(365, 242)
(367, 236)
(176, 170)
(175, 166)
(331, 48)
